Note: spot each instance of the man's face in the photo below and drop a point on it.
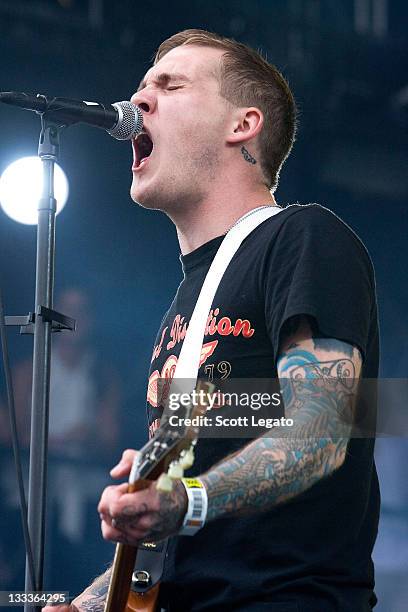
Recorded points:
(186, 119)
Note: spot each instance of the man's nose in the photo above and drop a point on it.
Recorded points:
(144, 100)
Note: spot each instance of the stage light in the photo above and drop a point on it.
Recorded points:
(21, 189)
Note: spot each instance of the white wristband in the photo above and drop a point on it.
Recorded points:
(197, 506)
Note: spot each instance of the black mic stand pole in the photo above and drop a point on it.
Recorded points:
(48, 151)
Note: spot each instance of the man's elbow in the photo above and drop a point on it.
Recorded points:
(335, 452)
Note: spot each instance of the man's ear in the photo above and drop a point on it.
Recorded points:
(246, 124)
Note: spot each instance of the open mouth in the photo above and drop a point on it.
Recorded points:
(142, 147)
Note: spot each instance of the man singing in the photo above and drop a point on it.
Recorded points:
(291, 521)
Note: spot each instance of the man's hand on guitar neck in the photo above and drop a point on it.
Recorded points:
(147, 514)
(143, 515)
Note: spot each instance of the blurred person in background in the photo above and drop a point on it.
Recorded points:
(83, 436)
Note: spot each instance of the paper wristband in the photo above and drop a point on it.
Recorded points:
(197, 506)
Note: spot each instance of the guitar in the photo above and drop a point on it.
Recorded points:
(164, 458)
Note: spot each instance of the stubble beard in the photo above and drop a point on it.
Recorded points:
(186, 186)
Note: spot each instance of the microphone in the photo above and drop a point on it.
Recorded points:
(122, 120)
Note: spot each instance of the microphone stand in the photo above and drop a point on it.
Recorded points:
(41, 323)
(48, 151)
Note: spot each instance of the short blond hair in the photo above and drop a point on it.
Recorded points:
(247, 79)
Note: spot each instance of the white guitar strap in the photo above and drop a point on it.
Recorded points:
(189, 359)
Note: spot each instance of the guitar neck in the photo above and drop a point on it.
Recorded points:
(121, 578)
(122, 568)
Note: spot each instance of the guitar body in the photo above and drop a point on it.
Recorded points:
(145, 602)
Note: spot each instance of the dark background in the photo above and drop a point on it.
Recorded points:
(346, 62)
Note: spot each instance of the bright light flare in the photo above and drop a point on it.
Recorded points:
(21, 187)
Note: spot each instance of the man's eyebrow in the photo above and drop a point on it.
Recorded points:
(163, 78)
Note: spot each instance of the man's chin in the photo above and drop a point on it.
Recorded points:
(143, 199)
(137, 194)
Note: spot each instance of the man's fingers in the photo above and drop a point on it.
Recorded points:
(110, 496)
(128, 517)
(130, 504)
(117, 507)
(132, 517)
(125, 464)
(129, 534)
(128, 508)
(109, 532)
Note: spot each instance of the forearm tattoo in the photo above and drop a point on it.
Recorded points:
(247, 156)
(319, 397)
(95, 595)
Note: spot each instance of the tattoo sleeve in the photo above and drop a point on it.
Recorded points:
(318, 380)
(93, 598)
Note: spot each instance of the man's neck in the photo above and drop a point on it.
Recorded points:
(215, 216)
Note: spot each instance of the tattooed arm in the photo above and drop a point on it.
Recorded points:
(91, 600)
(318, 379)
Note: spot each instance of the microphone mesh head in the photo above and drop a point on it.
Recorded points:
(130, 122)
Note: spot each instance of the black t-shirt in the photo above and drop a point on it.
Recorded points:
(313, 553)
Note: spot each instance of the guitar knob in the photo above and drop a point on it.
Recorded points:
(175, 470)
(164, 483)
(187, 459)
